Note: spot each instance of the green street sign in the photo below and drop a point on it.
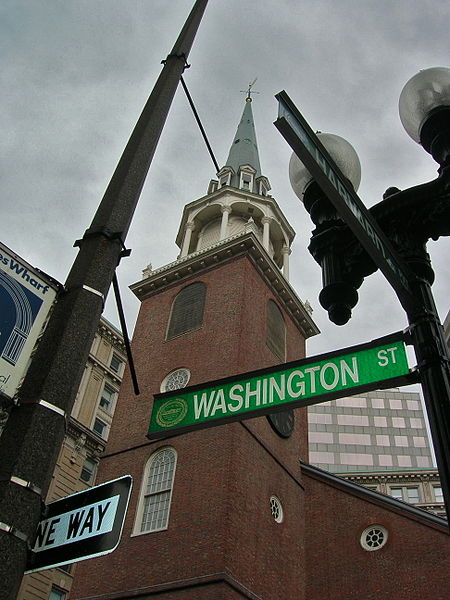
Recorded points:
(307, 146)
(379, 364)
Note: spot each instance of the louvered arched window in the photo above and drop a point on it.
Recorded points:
(276, 331)
(187, 310)
(156, 492)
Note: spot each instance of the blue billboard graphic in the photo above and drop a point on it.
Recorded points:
(18, 310)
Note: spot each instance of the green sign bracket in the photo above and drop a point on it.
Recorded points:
(379, 364)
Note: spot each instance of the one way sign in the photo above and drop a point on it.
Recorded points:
(81, 526)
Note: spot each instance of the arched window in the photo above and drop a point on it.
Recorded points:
(156, 492)
(187, 310)
(276, 331)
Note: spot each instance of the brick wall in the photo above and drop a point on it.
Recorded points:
(220, 520)
(414, 564)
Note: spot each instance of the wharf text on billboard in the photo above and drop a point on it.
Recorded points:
(23, 272)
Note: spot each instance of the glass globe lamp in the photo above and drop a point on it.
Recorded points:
(424, 108)
(343, 154)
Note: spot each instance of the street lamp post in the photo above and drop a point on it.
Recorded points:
(409, 219)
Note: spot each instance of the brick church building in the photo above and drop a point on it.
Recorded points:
(235, 511)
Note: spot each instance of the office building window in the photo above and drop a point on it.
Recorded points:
(396, 493)
(116, 364)
(107, 398)
(57, 594)
(385, 460)
(156, 493)
(88, 470)
(412, 495)
(406, 493)
(377, 403)
(276, 331)
(438, 495)
(99, 427)
(187, 310)
(321, 418)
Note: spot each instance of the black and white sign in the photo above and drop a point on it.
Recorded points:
(81, 526)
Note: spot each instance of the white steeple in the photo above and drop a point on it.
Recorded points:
(237, 203)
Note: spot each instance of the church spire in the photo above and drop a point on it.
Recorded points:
(244, 149)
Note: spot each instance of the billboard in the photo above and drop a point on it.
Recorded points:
(26, 295)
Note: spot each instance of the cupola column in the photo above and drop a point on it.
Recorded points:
(285, 251)
(187, 238)
(226, 210)
(266, 230)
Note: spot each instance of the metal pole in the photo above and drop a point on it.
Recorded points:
(434, 368)
(34, 432)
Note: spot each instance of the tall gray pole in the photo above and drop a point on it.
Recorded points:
(35, 430)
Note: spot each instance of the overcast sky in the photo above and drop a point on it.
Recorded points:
(75, 75)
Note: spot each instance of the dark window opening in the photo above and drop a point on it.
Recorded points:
(187, 310)
(276, 331)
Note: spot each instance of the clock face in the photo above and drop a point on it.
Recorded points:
(282, 422)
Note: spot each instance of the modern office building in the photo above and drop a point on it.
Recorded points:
(379, 440)
(236, 511)
(370, 432)
(87, 432)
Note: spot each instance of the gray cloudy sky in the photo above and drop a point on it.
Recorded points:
(75, 75)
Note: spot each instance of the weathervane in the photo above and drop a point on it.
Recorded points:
(249, 91)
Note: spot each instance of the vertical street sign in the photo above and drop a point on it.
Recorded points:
(81, 526)
(378, 364)
(304, 142)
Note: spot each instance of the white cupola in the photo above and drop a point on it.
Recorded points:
(238, 203)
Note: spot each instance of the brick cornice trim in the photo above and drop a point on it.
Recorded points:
(180, 584)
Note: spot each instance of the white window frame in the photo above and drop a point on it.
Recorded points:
(90, 472)
(144, 494)
(118, 371)
(110, 401)
(103, 435)
(405, 493)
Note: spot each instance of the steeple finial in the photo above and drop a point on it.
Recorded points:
(249, 91)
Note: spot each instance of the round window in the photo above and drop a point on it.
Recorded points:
(175, 380)
(276, 509)
(374, 537)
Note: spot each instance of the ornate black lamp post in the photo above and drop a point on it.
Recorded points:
(409, 218)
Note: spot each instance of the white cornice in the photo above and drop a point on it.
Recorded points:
(203, 260)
